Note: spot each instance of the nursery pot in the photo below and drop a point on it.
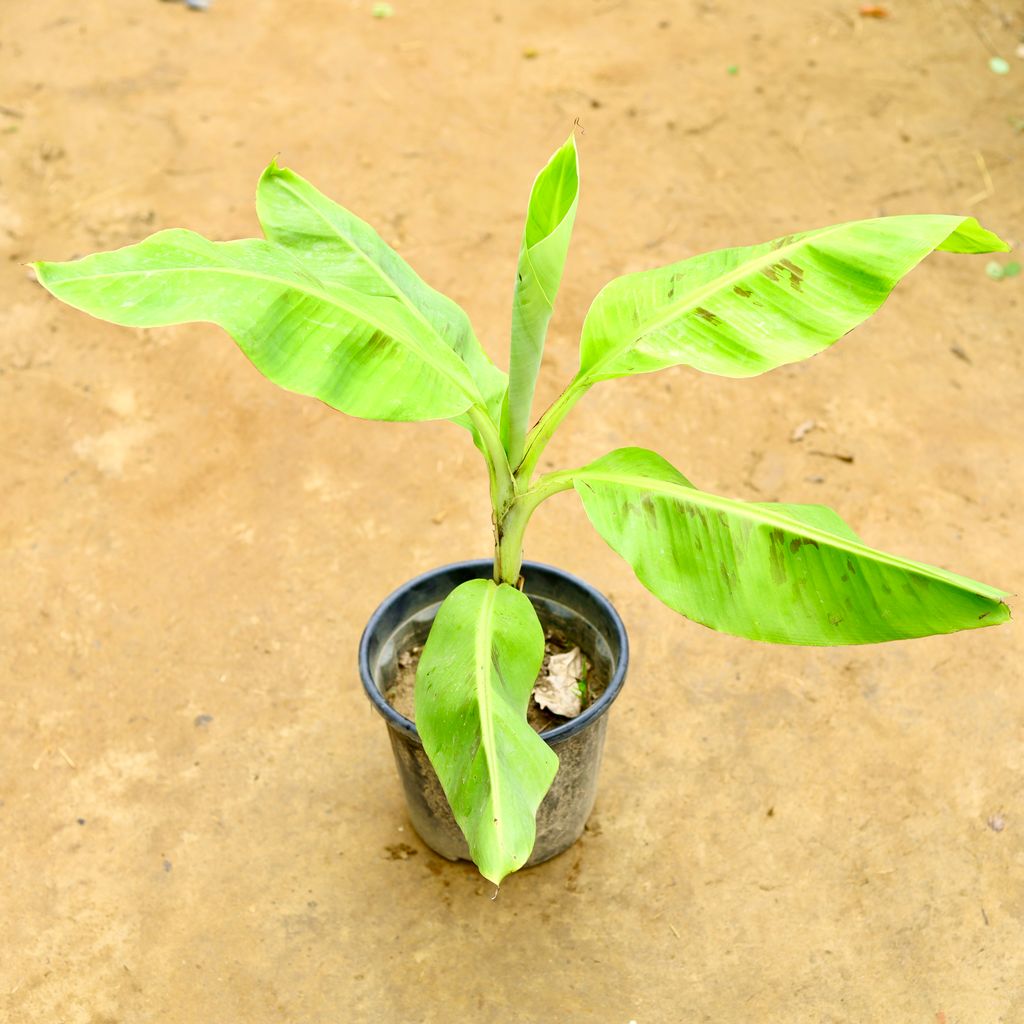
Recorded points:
(564, 603)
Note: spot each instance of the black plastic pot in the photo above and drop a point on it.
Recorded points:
(563, 602)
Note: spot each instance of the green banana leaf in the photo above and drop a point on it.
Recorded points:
(549, 221)
(364, 354)
(472, 688)
(344, 251)
(791, 574)
(741, 312)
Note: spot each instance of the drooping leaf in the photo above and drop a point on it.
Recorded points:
(741, 312)
(344, 251)
(364, 354)
(549, 222)
(794, 574)
(472, 688)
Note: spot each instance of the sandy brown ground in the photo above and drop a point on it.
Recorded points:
(782, 835)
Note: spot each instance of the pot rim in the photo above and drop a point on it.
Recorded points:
(561, 732)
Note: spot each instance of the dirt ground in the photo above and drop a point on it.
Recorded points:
(199, 816)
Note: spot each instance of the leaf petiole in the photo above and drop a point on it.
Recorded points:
(549, 422)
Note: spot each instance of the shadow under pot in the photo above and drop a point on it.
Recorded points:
(569, 609)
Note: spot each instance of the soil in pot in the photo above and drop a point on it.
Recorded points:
(400, 693)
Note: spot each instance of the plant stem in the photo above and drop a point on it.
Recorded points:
(510, 528)
(537, 439)
(503, 483)
(510, 525)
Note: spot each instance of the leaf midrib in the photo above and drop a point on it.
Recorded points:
(482, 678)
(759, 514)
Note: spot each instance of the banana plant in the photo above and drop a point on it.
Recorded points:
(322, 306)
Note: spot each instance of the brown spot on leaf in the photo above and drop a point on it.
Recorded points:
(798, 542)
(377, 343)
(707, 315)
(777, 555)
(785, 267)
(796, 274)
(725, 575)
(696, 512)
(743, 293)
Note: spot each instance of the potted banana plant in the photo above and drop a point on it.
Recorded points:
(322, 306)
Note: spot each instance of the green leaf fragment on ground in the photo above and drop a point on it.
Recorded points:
(997, 271)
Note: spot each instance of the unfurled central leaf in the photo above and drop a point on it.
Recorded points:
(472, 689)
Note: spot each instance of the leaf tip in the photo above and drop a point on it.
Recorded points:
(274, 169)
(571, 147)
(980, 238)
(493, 869)
(997, 244)
(40, 268)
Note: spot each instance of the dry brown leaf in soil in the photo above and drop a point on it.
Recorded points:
(559, 690)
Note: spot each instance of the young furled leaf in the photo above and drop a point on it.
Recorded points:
(549, 220)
